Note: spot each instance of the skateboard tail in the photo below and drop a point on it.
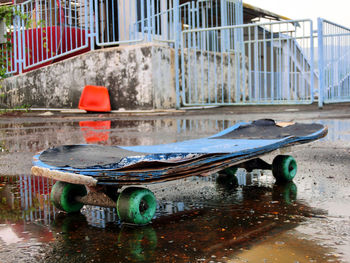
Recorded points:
(64, 176)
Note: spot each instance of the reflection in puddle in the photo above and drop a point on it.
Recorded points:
(338, 130)
(187, 227)
(24, 137)
(26, 198)
(95, 131)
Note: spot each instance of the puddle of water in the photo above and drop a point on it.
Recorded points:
(19, 137)
(188, 227)
(201, 222)
(284, 247)
(24, 137)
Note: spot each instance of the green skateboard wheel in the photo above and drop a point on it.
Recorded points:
(63, 196)
(284, 168)
(136, 205)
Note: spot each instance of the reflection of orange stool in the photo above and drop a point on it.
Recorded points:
(95, 98)
(95, 131)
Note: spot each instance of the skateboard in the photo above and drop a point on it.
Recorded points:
(95, 174)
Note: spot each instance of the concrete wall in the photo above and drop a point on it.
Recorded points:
(137, 77)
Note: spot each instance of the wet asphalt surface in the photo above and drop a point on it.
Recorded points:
(197, 219)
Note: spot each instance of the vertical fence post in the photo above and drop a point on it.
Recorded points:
(21, 41)
(312, 63)
(238, 12)
(91, 21)
(321, 83)
(223, 13)
(149, 19)
(177, 32)
(15, 45)
(224, 37)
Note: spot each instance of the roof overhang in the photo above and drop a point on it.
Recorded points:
(251, 12)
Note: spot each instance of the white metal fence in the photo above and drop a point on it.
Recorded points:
(154, 20)
(46, 31)
(128, 22)
(56, 29)
(334, 62)
(52, 29)
(268, 63)
(222, 62)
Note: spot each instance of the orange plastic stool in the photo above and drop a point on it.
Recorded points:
(95, 98)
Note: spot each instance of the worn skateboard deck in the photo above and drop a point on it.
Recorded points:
(126, 165)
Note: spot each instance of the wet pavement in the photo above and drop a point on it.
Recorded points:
(197, 219)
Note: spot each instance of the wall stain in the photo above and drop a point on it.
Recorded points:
(146, 51)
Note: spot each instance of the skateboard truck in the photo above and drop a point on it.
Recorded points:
(97, 199)
(255, 164)
(283, 167)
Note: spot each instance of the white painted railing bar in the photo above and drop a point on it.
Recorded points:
(248, 64)
(334, 62)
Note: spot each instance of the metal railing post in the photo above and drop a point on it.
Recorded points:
(96, 27)
(21, 42)
(312, 63)
(321, 83)
(223, 11)
(177, 32)
(16, 22)
(91, 20)
(149, 19)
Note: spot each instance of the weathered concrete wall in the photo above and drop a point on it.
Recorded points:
(137, 77)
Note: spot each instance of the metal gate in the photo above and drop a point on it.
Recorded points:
(131, 21)
(48, 30)
(334, 62)
(267, 63)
